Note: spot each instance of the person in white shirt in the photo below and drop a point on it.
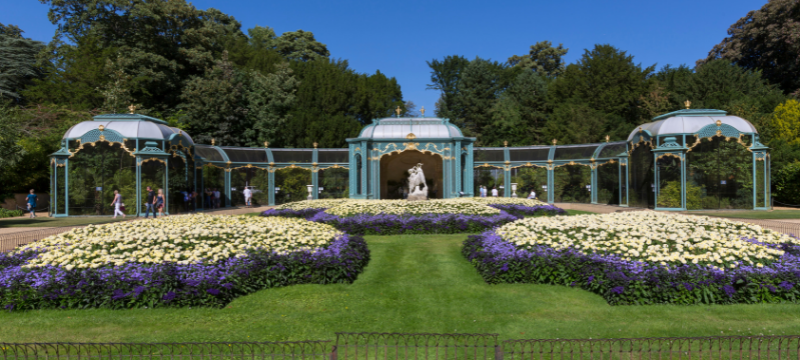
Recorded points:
(494, 192)
(248, 196)
(532, 195)
(217, 198)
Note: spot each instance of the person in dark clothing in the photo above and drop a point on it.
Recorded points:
(149, 203)
(31, 200)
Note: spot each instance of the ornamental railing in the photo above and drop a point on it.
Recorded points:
(396, 346)
(11, 241)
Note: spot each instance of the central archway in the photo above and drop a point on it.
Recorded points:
(394, 173)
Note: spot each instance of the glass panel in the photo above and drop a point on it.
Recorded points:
(333, 156)
(153, 173)
(669, 182)
(360, 173)
(244, 155)
(257, 180)
(291, 185)
(572, 184)
(208, 153)
(575, 152)
(488, 154)
(641, 189)
(530, 178)
(612, 150)
(608, 183)
(489, 178)
(293, 155)
(61, 189)
(94, 173)
(529, 154)
(334, 183)
(181, 183)
(214, 182)
(761, 191)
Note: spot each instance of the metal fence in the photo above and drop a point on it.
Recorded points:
(10, 241)
(395, 346)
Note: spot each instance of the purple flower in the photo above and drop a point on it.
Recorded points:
(213, 291)
(505, 267)
(618, 290)
(729, 290)
(169, 296)
(786, 285)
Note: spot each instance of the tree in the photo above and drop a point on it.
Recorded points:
(10, 150)
(17, 62)
(301, 45)
(479, 86)
(542, 58)
(445, 75)
(162, 43)
(785, 122)
(576, 122)
(529, 91)
(607, 80)
(767, 40)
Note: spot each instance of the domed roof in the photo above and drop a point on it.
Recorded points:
(400, 128)
(690, 121)
(130, 126)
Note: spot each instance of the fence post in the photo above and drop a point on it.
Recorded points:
(334, 354)
(498, 352)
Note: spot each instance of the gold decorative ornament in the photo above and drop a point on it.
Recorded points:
(398, 111)
(315, 145)
(505, 143)
(410, 145)
(213, 141)
(555, 142)
(608, 138)
(102, 138)
(101, 128)
(266, 144)
(411, 136)
(640, 129)
(719, 122)
(422, 111)
(719, 132)
(132, 108)
(687, 103)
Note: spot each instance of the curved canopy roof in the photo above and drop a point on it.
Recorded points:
(690, 121)
(130, 126)
(399, 128)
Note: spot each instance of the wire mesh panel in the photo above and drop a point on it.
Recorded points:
(720, 175)
(255, 179)
(245, 155)
(751, 348)
(488, 154)
(541, 153)
(181, 183)
(61, 189)
(608, 183)
(669, 182)
(612, 150)
(341, 156)
(530, 178)
(334, 183)
(759, 184)
(575, 152)
(153, 173)
(312, 350)
(572, 183)
(641, 188)
(488, 178)
(214, 182)
(94, 173)
(293, 155)
(208, 153)
(291, 185)
(384, 346)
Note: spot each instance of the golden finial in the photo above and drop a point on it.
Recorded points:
(411, 136)
(398, 111)
(315, 145)
(422, 111)
(266, 144)
(719, 122)
(687, 103)
(608, 138)
(505, 143)
(640, 129)
(555, 142)
(101, 127)
(213, 141)
(132, 108)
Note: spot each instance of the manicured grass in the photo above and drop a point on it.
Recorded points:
(578, 212)
(414, 283)
(56, 222)
(751, 214)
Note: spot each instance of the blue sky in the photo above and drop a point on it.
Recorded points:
(398, 37)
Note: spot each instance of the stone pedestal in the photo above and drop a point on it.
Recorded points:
(310, 189)
(418, 194)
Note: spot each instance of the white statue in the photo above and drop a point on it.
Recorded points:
(415, 179)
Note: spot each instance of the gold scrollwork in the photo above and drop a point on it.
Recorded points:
(101, 139)
(677, 156)
(572, 163)
(151, 159)
(612, 161)
(488, 165)
(334, 166)
(528, 165)
(699, 140)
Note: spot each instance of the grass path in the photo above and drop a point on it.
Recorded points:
(413, 284)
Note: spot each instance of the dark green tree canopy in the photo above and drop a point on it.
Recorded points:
(543, 58)
(301, 45)
(17, 62)
(766, 39)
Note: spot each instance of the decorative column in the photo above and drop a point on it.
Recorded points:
(60, 159)
(669, 148)
(271, 186)
(315, 173)
(594, 185)
(506, 171)
(469, 171)
(151, 152)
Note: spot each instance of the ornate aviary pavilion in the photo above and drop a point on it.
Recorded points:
(685, 160)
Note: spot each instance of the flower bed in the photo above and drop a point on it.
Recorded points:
(177, 261)
(643, 258)
(390, 217)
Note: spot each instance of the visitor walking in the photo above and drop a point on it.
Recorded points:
(217, 198)
(117, 204)
(160, 202)
(483, 191)
(149, 203)
(494, 191)
(194, 200)
(31, 200)
(532, 195)
(248, 196)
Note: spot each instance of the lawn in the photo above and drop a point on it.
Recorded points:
(57, 222)
(414, 283)
(752, 214)
(578, 212)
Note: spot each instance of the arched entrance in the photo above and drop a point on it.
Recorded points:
(394, 173)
